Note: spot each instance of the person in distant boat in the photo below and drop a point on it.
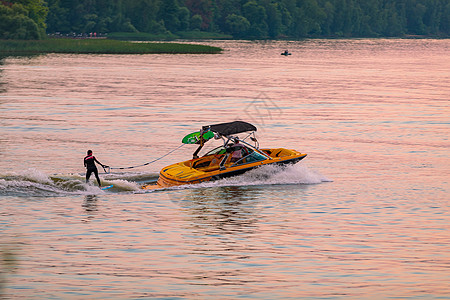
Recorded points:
(89, 163)
(286, 52)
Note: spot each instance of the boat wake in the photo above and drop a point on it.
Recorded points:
(34, 183)
(268, 175)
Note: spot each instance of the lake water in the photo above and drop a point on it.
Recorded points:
(364, 216)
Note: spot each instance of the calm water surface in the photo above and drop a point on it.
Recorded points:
(364, 216)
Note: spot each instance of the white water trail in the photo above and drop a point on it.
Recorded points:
(267, 175)
(34, 183)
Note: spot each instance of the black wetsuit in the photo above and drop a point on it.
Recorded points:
(89, 163)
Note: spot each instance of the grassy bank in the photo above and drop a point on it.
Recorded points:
(100, 46)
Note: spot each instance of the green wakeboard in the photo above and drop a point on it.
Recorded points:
(194, 138)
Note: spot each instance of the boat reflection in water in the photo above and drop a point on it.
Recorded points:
(236, 156)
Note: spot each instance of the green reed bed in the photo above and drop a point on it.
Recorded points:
(100, 46)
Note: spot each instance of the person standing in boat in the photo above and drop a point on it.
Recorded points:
(89, 163)
(237, 149)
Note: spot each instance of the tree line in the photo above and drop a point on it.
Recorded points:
(23, 19)
(252, 19)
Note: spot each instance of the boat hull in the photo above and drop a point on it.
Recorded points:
(187, 172)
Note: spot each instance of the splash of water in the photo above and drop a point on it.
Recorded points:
(34, 183)
(268, 175)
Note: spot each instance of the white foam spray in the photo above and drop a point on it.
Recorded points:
(268, 175)
(34, 183)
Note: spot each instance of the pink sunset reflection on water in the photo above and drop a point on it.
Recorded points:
(364, 215)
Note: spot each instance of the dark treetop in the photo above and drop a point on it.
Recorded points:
(29, 19)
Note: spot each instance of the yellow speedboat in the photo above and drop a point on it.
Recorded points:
(234, 157)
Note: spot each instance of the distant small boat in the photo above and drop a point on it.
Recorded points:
(285, 53)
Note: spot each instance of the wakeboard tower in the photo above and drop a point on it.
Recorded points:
(236, 156)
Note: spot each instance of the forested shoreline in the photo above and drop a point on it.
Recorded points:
(242, 19)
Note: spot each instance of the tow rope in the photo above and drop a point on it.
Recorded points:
(108, 169)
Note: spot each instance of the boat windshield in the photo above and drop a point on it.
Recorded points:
(252, 157)
(218, 150)
(255, 156)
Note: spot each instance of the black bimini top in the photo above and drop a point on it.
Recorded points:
(230, 128)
